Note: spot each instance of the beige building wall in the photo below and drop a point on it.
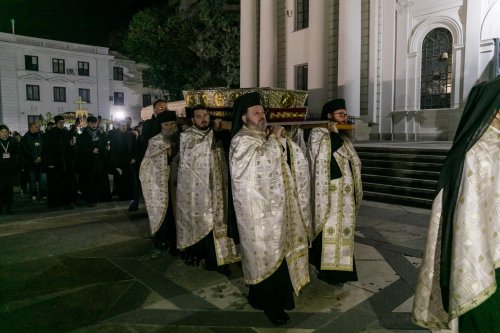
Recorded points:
(392, 33)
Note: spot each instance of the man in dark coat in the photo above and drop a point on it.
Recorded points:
(93, 161)
(31, 161)
(123, 158)
(8, 168)
(58, 154)
(151, 127)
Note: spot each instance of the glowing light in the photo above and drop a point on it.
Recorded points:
(118, 115)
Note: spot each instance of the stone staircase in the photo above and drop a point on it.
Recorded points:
(405, 176)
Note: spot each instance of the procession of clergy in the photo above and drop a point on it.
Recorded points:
(262, 196)
(247, 195)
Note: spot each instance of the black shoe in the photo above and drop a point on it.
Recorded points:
(134, 206)
(278, 318)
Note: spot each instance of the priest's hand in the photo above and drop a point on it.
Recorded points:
(332, 127)
(217, 124)
(277, 131)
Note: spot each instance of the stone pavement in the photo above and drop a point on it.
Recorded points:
(96, 270)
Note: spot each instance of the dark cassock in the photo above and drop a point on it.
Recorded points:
(92, 157)
(150, 127)
(336, 194)
(123, 156)
(58, 154)
(270, 187)
(460, 271)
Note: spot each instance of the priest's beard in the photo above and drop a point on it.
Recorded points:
(202, 128)
(168, 134)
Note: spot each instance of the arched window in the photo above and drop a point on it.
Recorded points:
(435, 88)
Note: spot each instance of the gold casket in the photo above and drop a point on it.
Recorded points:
(280, 104)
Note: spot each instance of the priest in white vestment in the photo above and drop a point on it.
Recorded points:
(458, 282)
(270, 183)
(158, 175)
(336, 194)
(202, 198)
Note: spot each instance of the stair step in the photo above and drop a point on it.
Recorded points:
(400, 181)
(438, 159)
(399, 190)
(402, 165)
(414, 174)
(401, 175)
(397, 199)
(400, 150)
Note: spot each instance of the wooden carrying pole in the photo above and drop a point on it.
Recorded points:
(301, 124)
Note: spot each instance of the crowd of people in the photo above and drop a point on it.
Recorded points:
(62, 166)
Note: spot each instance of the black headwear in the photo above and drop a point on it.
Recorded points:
(91, 119)
(241, 104)
(333, 105)
(480, 109)
(166, 116)
(58, 118)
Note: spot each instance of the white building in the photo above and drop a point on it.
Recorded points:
(39, 76)
(404, 67)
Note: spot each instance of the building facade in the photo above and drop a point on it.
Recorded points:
(38, 76)
(404, 67)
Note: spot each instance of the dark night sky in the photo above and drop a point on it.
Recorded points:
(79, 21)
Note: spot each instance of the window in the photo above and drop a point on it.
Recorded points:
(435, 86)
(59, 94)
(32, 92)
(146, 100)
(33, 119)
(84, 94)
(118, 98)
(31, 63)
(83, 68)
(301, 77)
(302, 16)
(118, 73)
(58, 65)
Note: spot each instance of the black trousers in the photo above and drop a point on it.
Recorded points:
(274, 293)
(61, 187)
(204, 249)
(6, 190)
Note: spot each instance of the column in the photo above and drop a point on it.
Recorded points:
(318, 55)
(349, 66)
(248, 44)
(472, 45)
(268, 69)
